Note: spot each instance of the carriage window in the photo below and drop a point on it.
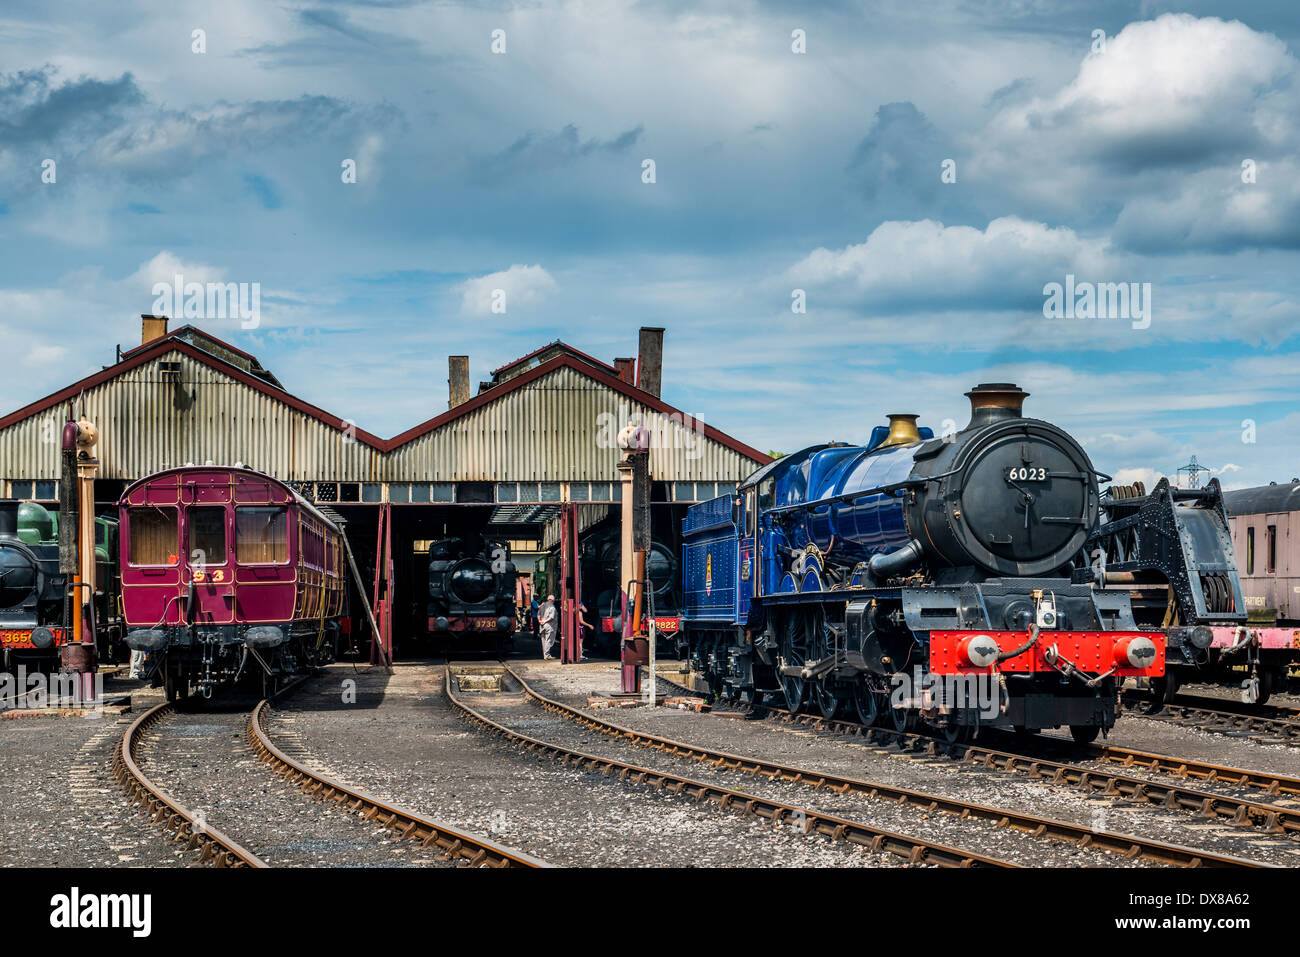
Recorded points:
(154, 536)
(262, 535)
(207, 534)
(1250, 550)
(1272, 549)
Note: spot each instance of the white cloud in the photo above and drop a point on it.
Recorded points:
(1163, 89)
(516, 286)
(929, 263)
(1216, 211)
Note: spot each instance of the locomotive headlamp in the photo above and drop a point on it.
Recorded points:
(980, 650)
(1135, 651)
(1047, 613)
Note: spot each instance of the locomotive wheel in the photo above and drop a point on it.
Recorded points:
(169, 683)
(819, 645)
(865, 703)
(951, 732)
(1163, 691)
(794, 653)
(1084, 733)
(904, 719)
(749, 697)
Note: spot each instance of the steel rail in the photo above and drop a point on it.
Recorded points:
(453, 842)
(1276, 712)
(1266, 781)
(1237, 811)
(216, 848)
(1269, 724)
(915, 850)
(1208, 719)
(1061, 831)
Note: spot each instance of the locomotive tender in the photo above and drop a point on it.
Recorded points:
(227, 570)
(930, 579)
(471, 593)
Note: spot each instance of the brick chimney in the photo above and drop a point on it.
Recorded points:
(151, 328)
(626, 370)
(650, 361)
(457, 381)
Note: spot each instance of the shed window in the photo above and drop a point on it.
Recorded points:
(207, 534)
(262, 535)
(155, 536)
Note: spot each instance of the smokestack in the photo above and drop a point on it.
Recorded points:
(151, 328)
(457, 381)
(994, 401)
(650, 362)
(626, 370)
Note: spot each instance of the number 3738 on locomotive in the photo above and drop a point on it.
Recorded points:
(918, 580)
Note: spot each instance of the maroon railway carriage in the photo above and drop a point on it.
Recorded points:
(227, 571)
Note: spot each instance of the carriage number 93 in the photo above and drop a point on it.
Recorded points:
(1027, 474)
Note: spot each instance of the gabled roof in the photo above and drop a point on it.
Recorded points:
(217, 347)
(546, 352)
(566, 358)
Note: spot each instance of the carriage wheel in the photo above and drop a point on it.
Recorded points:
(1266, 683)
(794, 653)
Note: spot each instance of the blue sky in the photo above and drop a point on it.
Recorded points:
(1117, 159)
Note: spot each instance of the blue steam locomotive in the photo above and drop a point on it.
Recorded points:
(917, 580)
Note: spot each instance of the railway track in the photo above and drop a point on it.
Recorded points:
(473, 849)
(1239, 811)
(1264, 723)
(219, 849)
(914, 850)
(1125, 845)
(215, 847)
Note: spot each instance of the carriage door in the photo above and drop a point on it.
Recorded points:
(208, 564)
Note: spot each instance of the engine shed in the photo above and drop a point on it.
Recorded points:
(532, 452)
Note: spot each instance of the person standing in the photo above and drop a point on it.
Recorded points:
(546, 625)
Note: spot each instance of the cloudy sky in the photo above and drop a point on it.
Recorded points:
(921, 172)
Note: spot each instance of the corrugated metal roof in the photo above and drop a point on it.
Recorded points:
(555, 423)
